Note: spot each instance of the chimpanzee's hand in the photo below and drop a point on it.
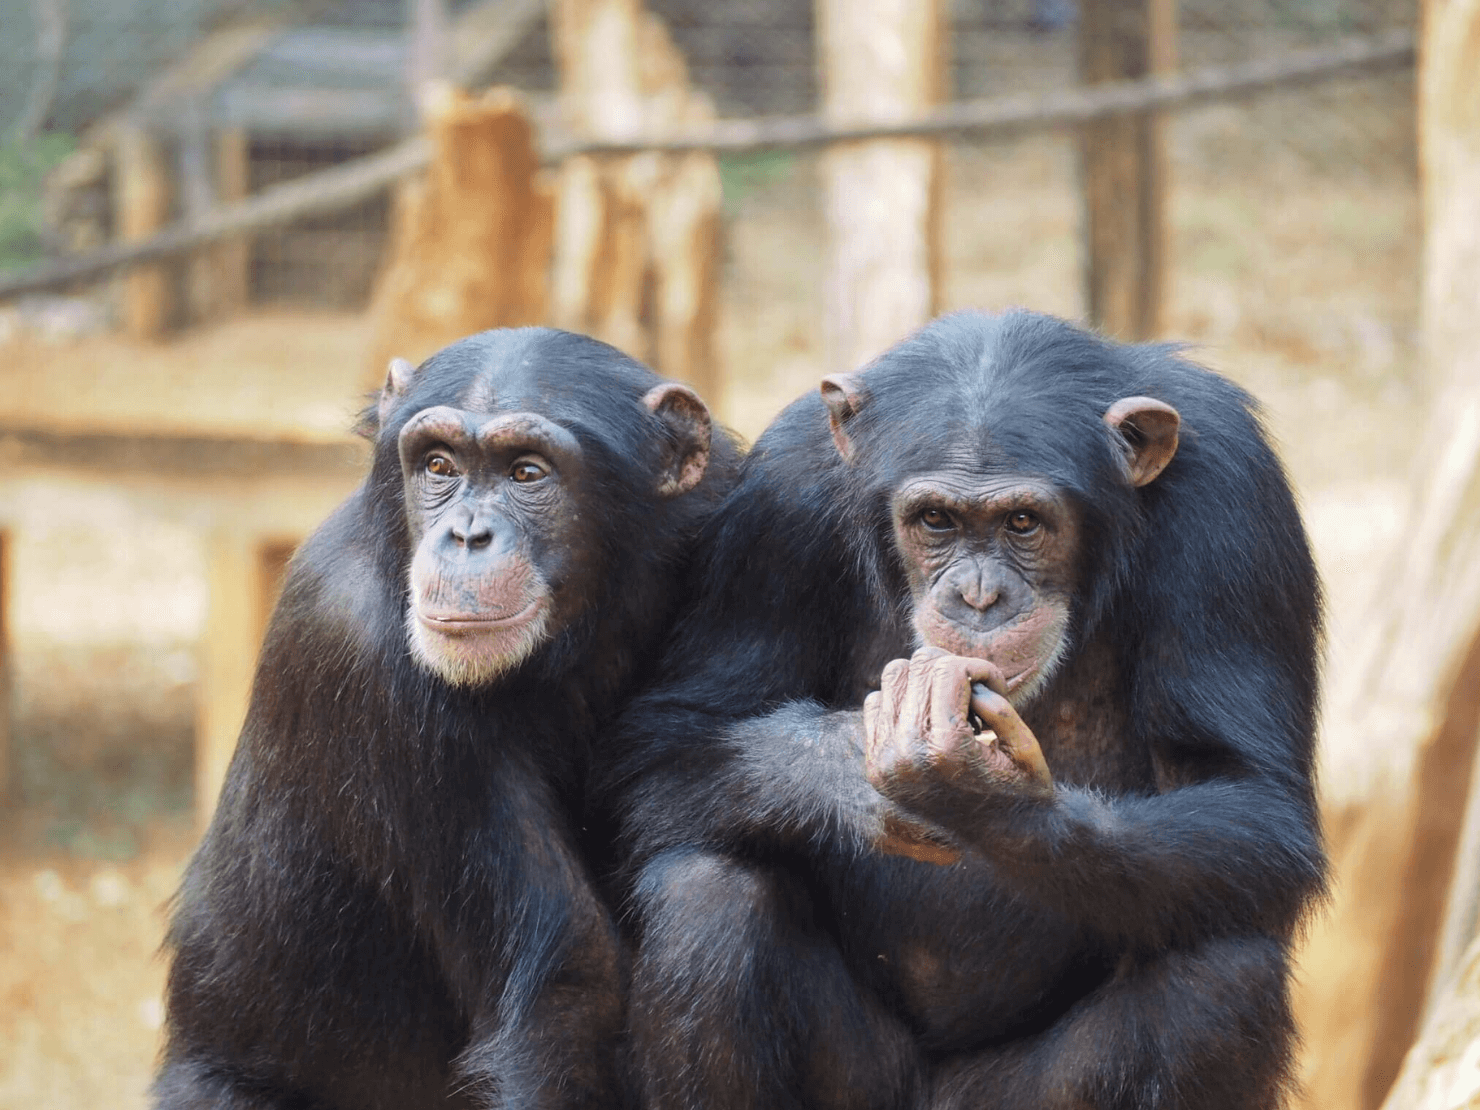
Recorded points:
(922, 752)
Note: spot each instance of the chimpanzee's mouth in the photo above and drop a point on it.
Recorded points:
(454, 624)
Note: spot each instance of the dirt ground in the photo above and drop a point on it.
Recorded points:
(1301, 287)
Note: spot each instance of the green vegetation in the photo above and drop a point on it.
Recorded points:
(23, 169)
(742, 174)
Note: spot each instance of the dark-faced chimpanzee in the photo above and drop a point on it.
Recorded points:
(392, 907)
(1024, 599)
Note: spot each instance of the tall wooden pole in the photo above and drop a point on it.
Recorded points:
(880, 60)
(1123, 168)
(142, 190)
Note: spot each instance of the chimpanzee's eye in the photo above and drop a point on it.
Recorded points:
(441, 466)
(1022, 523)
(936, 520)
(526, 471)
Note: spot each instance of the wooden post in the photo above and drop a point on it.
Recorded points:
(7, 754)
(198, 198)
(141, 207)
(1123, 168)
(880, 61)
(244, 577)
(1410, 693)
(232, 258)
(470, 243)
(637, 241)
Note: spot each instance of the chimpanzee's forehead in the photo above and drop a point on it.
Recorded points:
(555, 373)
(988, 395)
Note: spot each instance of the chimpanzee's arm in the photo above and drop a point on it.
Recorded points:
(1210, 859)
(790, 779)
(1232, 846)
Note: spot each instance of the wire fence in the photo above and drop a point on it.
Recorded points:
(321, 83)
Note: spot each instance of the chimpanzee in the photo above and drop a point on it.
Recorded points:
(392, 906)
(1051, 596)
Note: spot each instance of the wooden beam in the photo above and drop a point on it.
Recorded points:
(426, 46)
(880, 62)
(200, 456)
(207, 64)
(1123, 168)
(484, 34)
(141, 183)
(198, 198)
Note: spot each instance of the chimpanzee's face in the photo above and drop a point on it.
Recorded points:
(991, 561)
(492, 504)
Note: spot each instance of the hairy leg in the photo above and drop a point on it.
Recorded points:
(740, 1000)
(1205, 1029)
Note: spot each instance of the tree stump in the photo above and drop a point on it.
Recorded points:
(637, 243)
(470, 241)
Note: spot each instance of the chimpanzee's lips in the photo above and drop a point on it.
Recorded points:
(457, 623)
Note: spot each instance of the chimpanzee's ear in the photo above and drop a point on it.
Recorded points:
(687, 419)
(398, 378)
(844, 395)
(1147, 432)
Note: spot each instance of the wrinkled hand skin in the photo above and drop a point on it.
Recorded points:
(922, 752)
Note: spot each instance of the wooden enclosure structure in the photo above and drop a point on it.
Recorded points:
(251, 498)
(635, 252)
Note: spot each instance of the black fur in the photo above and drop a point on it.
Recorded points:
(1125, 944)
(391, 908)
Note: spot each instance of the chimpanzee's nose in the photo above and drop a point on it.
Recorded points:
(978, 593)
(473, 533)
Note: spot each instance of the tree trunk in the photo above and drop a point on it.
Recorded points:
(880, 62)
(1123, 168)
(1403, 713)
(1442, 1071)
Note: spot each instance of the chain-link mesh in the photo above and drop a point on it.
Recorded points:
(325, 82)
